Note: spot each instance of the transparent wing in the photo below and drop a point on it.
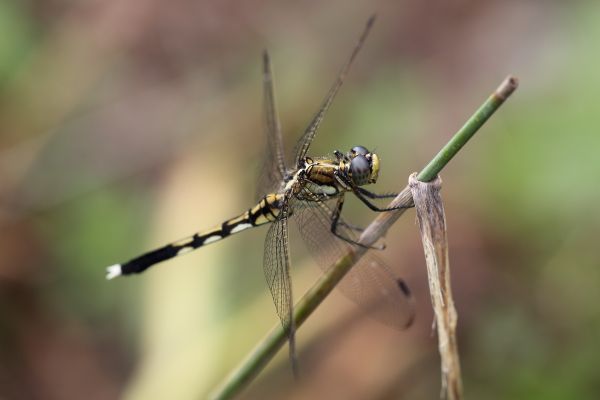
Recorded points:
(309, 134)
(369, 284)
(274, 168)
(277, 273)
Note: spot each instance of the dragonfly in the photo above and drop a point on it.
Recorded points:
(309, 191)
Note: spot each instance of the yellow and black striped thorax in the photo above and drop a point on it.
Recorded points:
(321, 178)
(329, 177)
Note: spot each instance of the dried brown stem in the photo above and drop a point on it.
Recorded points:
(432, 224)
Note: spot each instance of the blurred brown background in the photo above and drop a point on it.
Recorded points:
(125, 124)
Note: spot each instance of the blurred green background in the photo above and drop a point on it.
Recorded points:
(125, 124)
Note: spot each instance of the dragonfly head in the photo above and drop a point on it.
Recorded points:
(362, 166)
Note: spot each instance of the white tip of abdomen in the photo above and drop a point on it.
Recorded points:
(113, 271)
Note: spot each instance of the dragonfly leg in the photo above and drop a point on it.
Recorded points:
(350, 226)
(372, 195)
(362, 197)
(335, 221)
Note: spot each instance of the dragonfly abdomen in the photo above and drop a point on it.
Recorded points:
(264, 212)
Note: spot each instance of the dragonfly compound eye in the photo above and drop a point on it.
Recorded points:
(360, 170)
(359, 151)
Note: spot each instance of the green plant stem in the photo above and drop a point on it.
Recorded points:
(276, 338)
(468, 130)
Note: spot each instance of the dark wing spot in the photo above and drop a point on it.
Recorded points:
(404, 287)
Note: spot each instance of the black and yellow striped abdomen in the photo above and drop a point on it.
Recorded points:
(264, 212)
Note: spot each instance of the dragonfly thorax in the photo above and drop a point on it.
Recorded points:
(330, 177)
(320, 177)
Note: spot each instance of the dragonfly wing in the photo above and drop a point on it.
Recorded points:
(311, 130)
(370, 283)
(274, 168)
(277, 274)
